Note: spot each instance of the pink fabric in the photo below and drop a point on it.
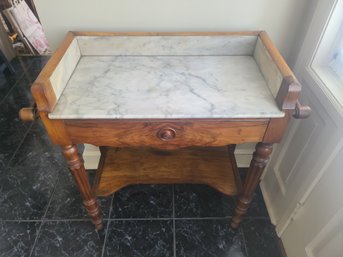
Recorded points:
(30, 27)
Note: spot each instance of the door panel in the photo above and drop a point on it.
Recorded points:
(298, 163)
(317, 228)
(302, 184)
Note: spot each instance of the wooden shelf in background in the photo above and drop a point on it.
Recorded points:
(119, 167)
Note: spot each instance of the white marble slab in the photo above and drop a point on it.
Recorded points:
(65, 68)
(134, 87)
(167, 45)
(270, 71)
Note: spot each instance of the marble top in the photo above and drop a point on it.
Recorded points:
(163, 87)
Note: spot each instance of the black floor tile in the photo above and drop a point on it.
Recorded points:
(66, 202)
(257, 207)
(31, 62)
(6, 84)
(36, 65)
(17, 238)
(21, 63)
(9, 142)
(10, 121)
(27, 183)
(29, 66)
(201, 201)
(261, 239)
(8, 80)
(69, 238)
(207, 238)
(140, 238)
(19, 97)
(143, 201)
(5, 157)
(25, 192)
(2, 165)
(38, 147)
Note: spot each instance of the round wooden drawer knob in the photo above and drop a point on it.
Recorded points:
(166, 134)
(28, 114)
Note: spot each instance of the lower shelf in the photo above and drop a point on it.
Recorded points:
(119, 167)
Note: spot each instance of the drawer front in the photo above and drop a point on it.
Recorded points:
(166, 135)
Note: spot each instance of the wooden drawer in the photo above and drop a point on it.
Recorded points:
(165, 134)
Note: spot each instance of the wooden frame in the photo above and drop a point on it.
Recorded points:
(158, 133)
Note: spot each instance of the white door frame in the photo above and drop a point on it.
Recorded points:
(285, 200)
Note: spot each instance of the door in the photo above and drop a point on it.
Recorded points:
(302, 185)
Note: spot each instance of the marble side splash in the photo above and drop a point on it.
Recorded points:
(270, 71)
(167, 45)
(65, 68)
(134, 87)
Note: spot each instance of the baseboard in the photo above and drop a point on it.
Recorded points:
(268, 204)
(243, 160)
(91, 156)
(282, 248)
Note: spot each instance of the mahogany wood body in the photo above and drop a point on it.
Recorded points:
(120, 167)
(146, 133)
(257, 165)
(177, 133)
(80, 176)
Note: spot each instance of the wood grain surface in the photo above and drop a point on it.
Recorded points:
(120, 167)
(146, 133)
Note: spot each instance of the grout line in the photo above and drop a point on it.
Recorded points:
(107, 227)
(256, 218)
(189, 218)
(244, 242)
(174, 232)
(19, 145)
(28, 221)
(163, 55)
(45, 213)
(49, 220)
(11, 89)
(24, 71)
(138, 219)
(118, 219)
(36, 239)
(130, 219)
(204, 218)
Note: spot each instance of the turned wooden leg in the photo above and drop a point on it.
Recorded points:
(259, 161)
(78, 171)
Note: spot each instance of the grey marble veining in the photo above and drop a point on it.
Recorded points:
(207, 238)
(167, 45)
(115, 87)
(201, 201)
(139, 238)
(142, 202)
(69, 239)
(17, 238)
(27, 181)
(66, 203)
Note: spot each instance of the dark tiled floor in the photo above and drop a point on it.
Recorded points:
(41, 214)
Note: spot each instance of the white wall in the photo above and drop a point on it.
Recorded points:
(280, 18)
